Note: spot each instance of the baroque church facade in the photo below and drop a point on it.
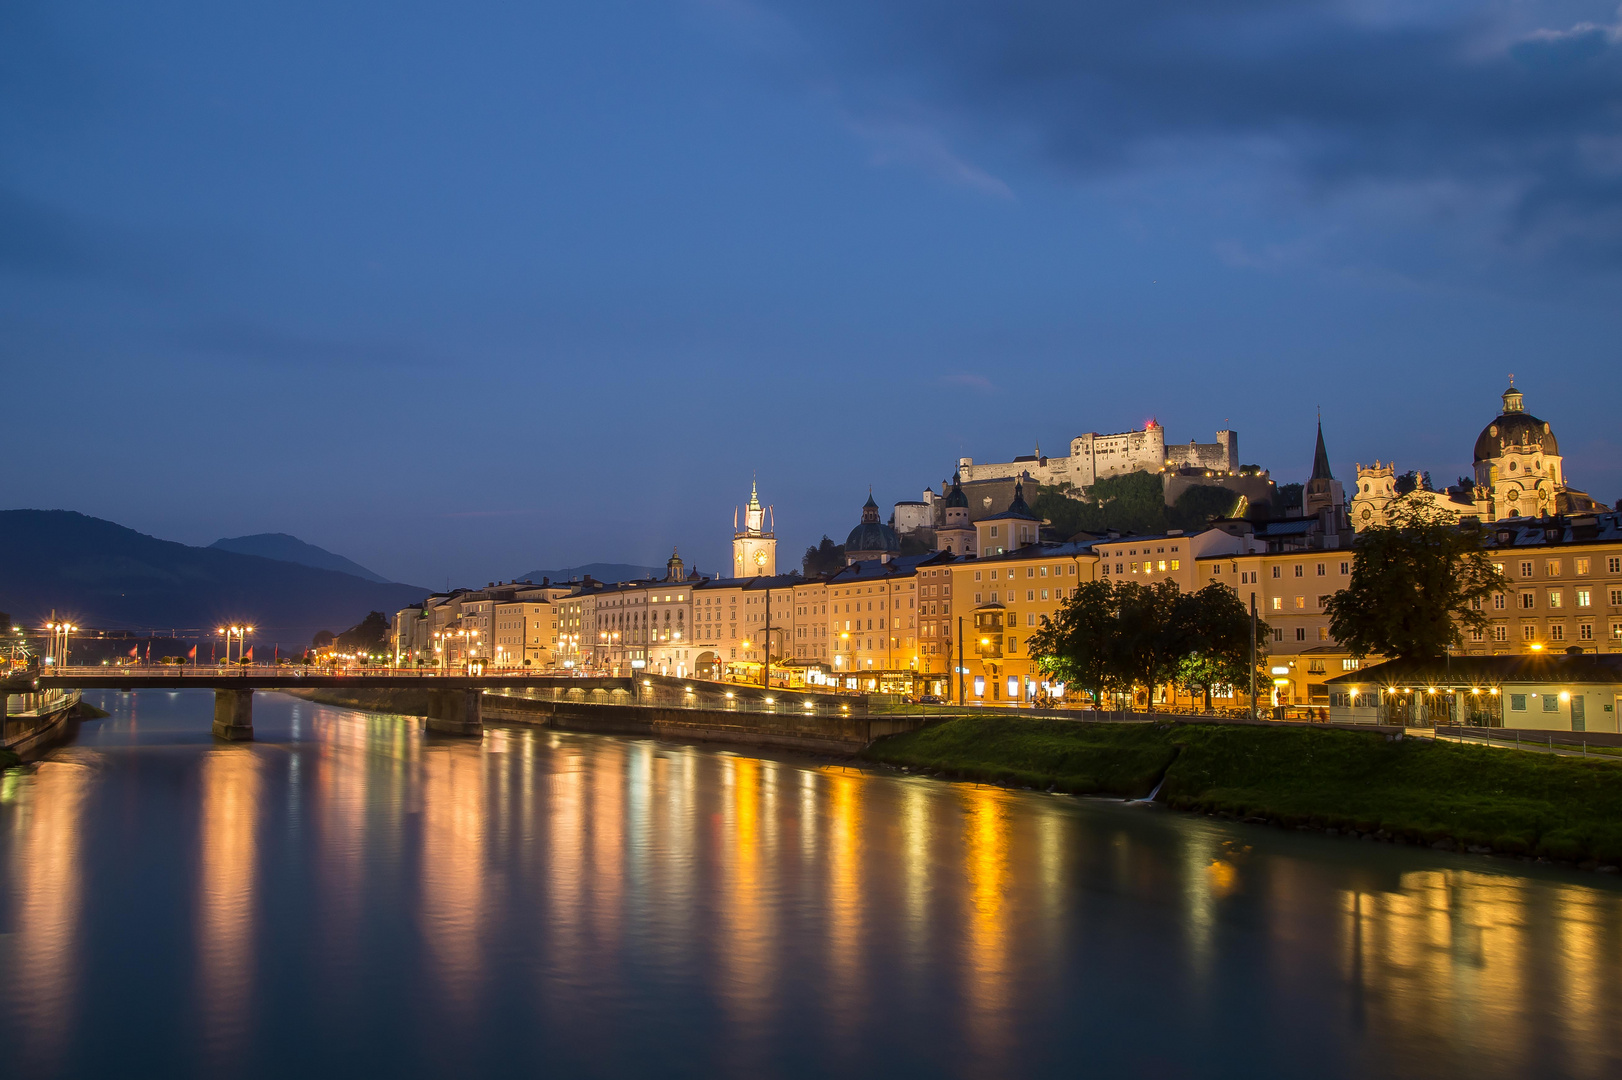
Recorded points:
(1518, 473)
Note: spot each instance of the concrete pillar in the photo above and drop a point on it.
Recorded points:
(455, 712)
(233, 714)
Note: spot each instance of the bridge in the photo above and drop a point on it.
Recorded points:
(455, 701)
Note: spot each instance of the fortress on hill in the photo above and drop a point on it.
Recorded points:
(1095, 457)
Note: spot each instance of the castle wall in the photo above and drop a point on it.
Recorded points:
(1095, 457)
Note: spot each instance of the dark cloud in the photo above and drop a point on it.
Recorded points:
(1338, 94)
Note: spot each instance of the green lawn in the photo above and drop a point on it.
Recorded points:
(1417, 789)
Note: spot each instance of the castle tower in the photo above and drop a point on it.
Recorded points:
(673, 566)
(1323, 491)
(754, 547)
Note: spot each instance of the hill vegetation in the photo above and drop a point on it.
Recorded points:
(1133, 503)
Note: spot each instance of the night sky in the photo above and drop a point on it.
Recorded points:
(463, 290)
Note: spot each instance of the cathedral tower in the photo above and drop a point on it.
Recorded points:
(754, 547)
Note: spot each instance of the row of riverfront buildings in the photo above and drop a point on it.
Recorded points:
(899, 622)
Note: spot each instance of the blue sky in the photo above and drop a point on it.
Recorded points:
(464, 290)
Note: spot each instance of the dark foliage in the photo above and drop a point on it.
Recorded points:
(824, 558)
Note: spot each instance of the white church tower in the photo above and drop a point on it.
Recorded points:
(754, 547)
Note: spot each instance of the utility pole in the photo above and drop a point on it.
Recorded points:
(1253, 656)
(961, 664)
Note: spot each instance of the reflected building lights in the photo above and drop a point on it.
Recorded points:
(228, 884)
(985, 856)
(47, 871)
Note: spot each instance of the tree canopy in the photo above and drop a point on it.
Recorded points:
(823, 558)
(1417, 582)
(371, 633)
(1110, 636)
(1132, 503)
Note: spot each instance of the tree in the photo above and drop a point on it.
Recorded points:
(1416, 582)
(323, 638)
(370, 634)
(1077, 646)
(1153, 633)
(823, 558)
(1218, 625)
(1289, 497)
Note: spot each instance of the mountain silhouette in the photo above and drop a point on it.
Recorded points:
(292, 549)
(101, 575)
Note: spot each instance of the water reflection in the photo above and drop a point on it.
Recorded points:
(47, 875)
(226, 899)
(549, 902)
(985, 846)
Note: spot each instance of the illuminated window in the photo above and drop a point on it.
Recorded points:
(1584, 598)
(1176, 564)
(1301, 603)
(1278, 603)
(1554, 598)
(1552, 567)
(1579, 566)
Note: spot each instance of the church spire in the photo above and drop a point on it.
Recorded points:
(1320, 459)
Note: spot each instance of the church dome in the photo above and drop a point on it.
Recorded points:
(955, 499)
(1514, 427)
(872, 534)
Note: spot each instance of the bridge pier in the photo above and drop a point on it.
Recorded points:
(455, 712)
(233, 714)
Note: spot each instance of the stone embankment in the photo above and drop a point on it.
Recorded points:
(789, 728)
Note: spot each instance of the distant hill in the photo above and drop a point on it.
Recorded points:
(102, 575)
(602, 571)
(292, 549)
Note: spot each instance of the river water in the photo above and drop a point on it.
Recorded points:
(346, 897)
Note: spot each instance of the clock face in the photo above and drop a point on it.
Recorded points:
(760, 558)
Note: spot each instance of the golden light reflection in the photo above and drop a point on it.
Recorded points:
(745, 949)
(985, 854)
(454, 820)
(47, 871)
(845, 900)
(227, 882)
(1447, 958)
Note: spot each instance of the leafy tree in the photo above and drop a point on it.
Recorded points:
(370, 634)
(323, 638)
(1153, 635)
(1078, 645)
(1218, 626)
(1416, 582)
(1288, 498)
(823, 558)
(1413, 481)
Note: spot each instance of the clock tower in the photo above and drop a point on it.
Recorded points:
(754, 548)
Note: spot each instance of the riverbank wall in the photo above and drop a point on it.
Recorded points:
(787, 730)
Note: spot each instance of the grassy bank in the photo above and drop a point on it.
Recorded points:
(1414, 790)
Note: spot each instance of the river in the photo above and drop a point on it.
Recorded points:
(346, 897)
